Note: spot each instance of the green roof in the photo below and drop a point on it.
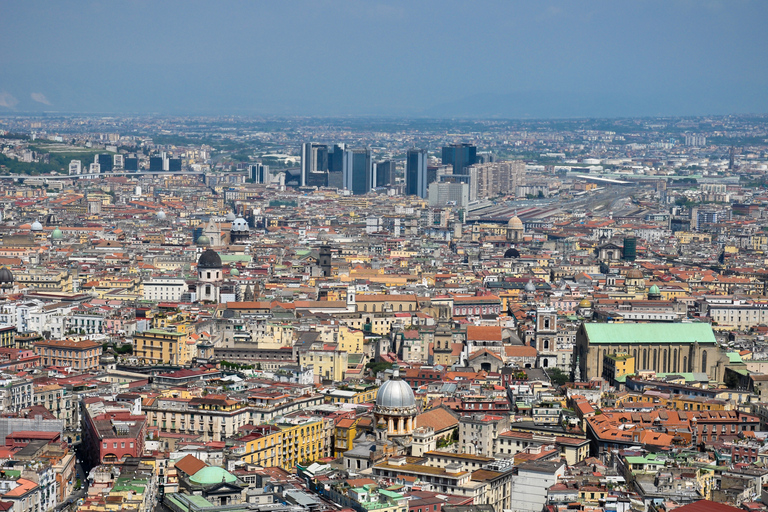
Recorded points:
(734, 357)
(235, 257)
(212, 475)
(625, 334)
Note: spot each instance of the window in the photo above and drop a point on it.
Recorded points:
(105, 445)
(114, 445)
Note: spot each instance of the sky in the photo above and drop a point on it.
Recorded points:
(413, 58)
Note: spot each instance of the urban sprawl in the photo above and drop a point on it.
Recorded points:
(232, 314)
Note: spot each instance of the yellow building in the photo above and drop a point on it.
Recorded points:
(286, 443)
(157, 346)
(351, 340)
(617, 365)
(352, 395)
(328, 364)
(381, 303)
(344, 436)
(46, 280)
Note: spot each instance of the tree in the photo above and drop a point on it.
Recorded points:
(557, 376)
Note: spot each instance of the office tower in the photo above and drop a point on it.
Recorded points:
(118, 161)
(357, 171)
(174, 164)
(75, 167)
(155, 163)
(314, 159)
(105, 162)
(416, 173)
(448, 194)
(258, 173)
(336, 166)
(384, 173)
(460, 156)
(131, 163)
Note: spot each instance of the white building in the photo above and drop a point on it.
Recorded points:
(164, 290)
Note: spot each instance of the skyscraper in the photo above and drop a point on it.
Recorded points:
(357, 171)
(460, 156)
(258, 173)
(105, 162)
(416, 173)
(384, 173)
(314, 159)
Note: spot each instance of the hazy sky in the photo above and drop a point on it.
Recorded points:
(417, 58)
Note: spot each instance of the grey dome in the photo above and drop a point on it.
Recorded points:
(239, 225)
(209, 259)
(161, 215)
(230, 216)
(530, 287)
(395, 393)
(36, 226)
(203, 240)
(5, 276)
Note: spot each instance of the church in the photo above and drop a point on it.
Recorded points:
(659, 347)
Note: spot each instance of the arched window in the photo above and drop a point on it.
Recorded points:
(704, 362)
(546, 363)
(645, 359)
(546, 345)
(401, 307)
(685, 364)
(664, 361)
(674, 360)
(655, 367)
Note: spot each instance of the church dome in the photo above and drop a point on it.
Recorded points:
(203, 240)
(530, 287)
(239, 225)
(209, 259)
(395, 393)
(230, 216)
(57, 234)
(634, 273)
(654, 290)
(212, 475)
(6, 277)
(234, 272)
(36, 226)
(585, 304)
(515, 223)
(161, 215)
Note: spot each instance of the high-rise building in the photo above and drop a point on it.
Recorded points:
(416, 173)
(258, 173)
(314, 159)
(448, 194)
(460, 156)
(495, 179)
(118, 161)
(131, 163)
(75, 167)
(384, 173)
(155, 163)
(105, 162)
(174, 164)
(357, 171)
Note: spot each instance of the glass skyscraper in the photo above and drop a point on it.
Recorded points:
(357, 171)
(460, 156)
(416, 173)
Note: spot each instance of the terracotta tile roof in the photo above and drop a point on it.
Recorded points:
(438, 418)
(190, 465)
